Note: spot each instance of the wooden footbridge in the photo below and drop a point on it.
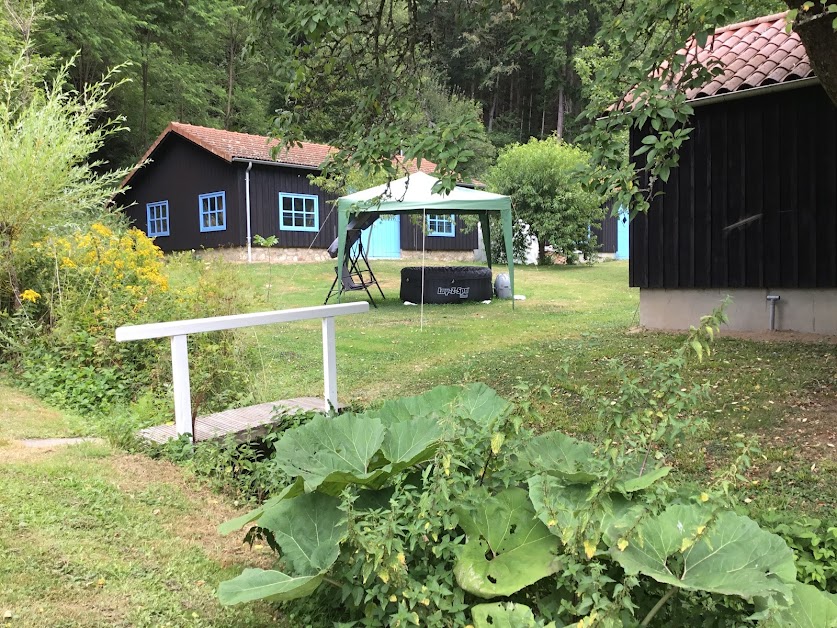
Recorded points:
(240, 421)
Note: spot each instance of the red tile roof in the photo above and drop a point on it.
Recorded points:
(230, 145)
(753, 54)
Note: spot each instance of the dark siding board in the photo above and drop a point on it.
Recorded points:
(773, 155)
(718, 200)
(753, 185)
(772, 177)
(266, 183)
(825, 165)
(701, 151)
(670, 209)
(179, 173)
(638, 232)
(606, 233)
(411, 237)
(656, 243)
(685, 208)
(736, 139)
(806, 196)
(789, 208)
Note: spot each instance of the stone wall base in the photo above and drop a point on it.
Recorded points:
(442, 256)
(299, 255)
(812, 311)
(273, 255)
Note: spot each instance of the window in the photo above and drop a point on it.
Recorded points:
(441, 225)
(213, 211)
(299, 212)
(157, 218)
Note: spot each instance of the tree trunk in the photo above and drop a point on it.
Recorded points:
(493, 106)
(541, 251)
(230, 81)
(543, 120)
(815, 29)
(559, 125)
(144, 119)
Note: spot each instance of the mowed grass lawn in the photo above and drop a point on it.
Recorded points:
(92, 536)
(782, 392)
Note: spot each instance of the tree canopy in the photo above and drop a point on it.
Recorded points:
(541, 177)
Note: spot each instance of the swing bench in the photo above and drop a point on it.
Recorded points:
(356, 272)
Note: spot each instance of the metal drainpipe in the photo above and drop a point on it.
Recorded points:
(247, 196)
(772, 298)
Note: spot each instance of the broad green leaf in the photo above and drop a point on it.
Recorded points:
(433, 403)
(309, 529)
(565, 509)
(410, 442)
(505, 615)
(480, 404)
(336, 451)
(810, 608)
(507, 548)
(562, 456)
(476, 402)
(558, 505)
(239, 522)
(730, 555)
(639, 475)
(261, 584)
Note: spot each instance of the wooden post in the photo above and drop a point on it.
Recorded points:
(180, 378)
(329, 364)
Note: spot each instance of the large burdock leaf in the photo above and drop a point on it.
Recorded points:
(434, 403)
(639, 474)
(476, 402)
(558, 505)
(261, 584)
(254, 515)
(505, 615)
(562, 456)
(507, 548)
(335, 451)
(410, 442)
(309, 529)
(685, 547)
(811, 608)
(480, 404)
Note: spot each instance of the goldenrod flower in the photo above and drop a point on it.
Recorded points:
(29, 295)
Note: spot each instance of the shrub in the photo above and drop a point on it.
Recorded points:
(443, 510)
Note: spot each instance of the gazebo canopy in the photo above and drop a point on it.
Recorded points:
(414, 195)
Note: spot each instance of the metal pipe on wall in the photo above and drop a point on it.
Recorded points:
(247, 196)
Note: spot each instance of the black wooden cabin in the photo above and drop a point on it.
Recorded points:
(192, 194)
(753, 203)
(751, 209)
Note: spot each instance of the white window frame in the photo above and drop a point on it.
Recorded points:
(205, 212)
(435, 221)
(156, 216)
(299, 213)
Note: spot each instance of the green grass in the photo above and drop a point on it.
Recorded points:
(90, 536)
(20, 418)
(387, 352)
(582, 315)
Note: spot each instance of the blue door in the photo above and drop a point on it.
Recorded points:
(622, 232)
(383, 239)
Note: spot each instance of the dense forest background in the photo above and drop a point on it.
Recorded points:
(523, 69)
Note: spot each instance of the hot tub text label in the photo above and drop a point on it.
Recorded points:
(462, 292)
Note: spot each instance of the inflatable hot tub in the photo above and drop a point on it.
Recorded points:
(446, 284)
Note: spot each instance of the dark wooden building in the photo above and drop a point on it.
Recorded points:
(198, 183)
(752, 207)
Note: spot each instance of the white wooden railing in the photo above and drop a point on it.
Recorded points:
(178, 331)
